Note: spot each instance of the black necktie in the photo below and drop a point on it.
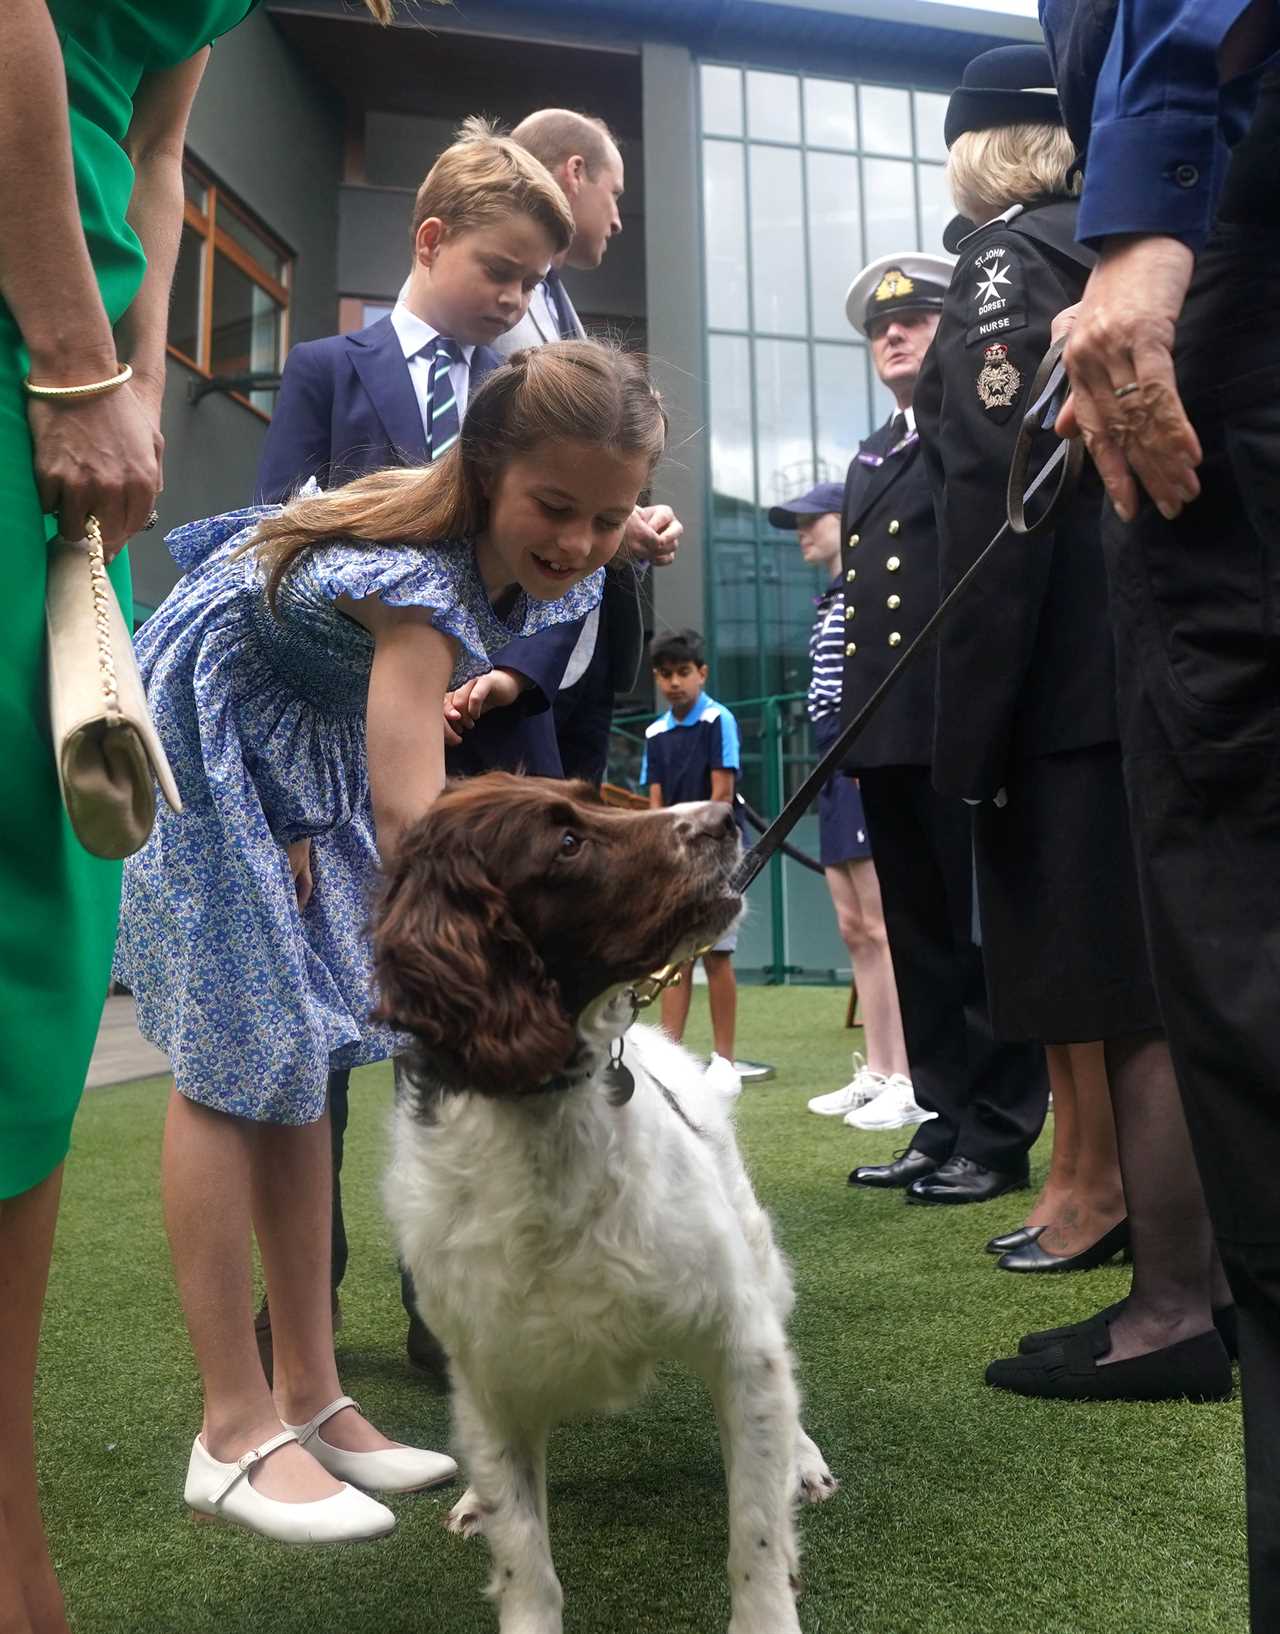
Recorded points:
(898, 429)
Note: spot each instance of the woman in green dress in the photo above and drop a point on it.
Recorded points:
(94, 98)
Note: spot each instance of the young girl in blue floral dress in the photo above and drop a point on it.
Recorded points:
(298, 675)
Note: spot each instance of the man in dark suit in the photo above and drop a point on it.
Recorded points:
(988, 1099)
(396, 393)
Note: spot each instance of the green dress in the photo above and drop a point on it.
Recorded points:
(58, 905)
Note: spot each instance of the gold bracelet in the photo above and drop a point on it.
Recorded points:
(96, 388)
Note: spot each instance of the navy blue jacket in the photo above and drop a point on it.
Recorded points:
(347, 406)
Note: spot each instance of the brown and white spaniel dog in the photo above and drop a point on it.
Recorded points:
(565, 1188)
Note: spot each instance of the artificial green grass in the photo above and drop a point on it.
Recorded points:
(963, 1510)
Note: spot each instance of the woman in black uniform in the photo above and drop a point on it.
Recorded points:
(1026, 730)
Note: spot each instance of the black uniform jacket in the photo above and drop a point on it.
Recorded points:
(889, 556)
(1025, 664)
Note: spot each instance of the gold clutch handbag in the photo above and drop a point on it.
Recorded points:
(109, 755)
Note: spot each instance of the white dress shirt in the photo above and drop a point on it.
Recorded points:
(414, 335)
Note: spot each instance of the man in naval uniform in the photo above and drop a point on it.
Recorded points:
(988, 1098)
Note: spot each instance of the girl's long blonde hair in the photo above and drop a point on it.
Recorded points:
(572, 391)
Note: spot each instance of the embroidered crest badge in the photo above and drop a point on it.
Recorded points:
(999, 382)
(893, 285)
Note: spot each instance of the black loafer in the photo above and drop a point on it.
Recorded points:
(1196, 1369)
(1096, 1326)
(960, 1180)
(906, 1167)
(1034, 1257)
(1010, 1240)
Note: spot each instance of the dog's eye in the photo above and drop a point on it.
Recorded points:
(570, 844)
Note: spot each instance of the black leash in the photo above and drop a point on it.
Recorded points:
(1066, 460)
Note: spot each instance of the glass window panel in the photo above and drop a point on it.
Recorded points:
(886, 119)
(931, 113)
(777, 240)
(372, 311)
(829, 118)
(184, 305)
(733, 484)
(936, 208)
(725, 228)
(737, 632)
(265, 254)
(773, 107)
(194, 188)
(785, 445)
(246, 328)
(835, 239)
(889, 205)
(722, 101)
(840, 388)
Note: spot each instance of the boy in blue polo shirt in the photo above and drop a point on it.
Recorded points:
(692, 753)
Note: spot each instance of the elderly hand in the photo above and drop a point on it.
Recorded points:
(1124, 395)
(464, 706)
(653, 535)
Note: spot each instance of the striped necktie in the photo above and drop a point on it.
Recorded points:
(445, 421)
(559, 303)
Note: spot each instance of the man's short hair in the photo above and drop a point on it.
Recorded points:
(485, 177)
(553, 135)
(680, 647)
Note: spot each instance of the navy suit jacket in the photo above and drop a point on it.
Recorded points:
(347, 406)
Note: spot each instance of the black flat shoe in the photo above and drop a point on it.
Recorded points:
(961, 1180)
(1196, 1369)
(1015, 1239)
(1035, 1258)
(1096, 1326)
(906, 1167)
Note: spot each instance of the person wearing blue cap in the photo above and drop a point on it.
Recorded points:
(987, 1098)
(844, 848)
(1026, 730)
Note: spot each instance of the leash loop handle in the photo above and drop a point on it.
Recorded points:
(1048, 380)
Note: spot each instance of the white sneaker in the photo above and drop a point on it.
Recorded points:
(723, 1076)
(893, 1108)
(864, 1086)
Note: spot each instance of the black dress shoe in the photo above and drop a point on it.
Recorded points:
(426, 1352)
(906, 1167)
(1036, 1258)
(961, 1180)
(1010, 1240)
(1196, 1369)
(1096, 1326)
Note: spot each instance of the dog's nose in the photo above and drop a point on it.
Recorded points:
(709, 819)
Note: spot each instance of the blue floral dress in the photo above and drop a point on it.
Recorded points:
(263, 718)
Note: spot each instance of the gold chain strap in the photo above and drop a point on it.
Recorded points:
(101, 587)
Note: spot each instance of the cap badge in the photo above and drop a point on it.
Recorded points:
(999, 382)
(893, 286)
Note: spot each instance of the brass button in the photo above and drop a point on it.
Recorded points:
(850, 647)
(895, 527)
(854, 539)
(851, 575)
(893, 603)
(893, 564)
(849, 612)
(895, 640)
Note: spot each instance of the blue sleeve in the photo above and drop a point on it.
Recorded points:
(299, 438)
(1162, 125)
(541, 658)
(651, 764)
(730, 756)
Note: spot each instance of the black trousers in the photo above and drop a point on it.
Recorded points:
(339, 1085)
(990, 1097)
(1196, 605)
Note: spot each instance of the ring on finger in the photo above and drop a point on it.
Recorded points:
(1128, 389)
(151, 521)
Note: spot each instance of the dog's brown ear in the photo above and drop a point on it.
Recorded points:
(455, 970)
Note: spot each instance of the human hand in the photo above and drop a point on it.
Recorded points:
(1123, 339)
(464, 706)
(1064, 323)
(300, 868)
(653, 535)
(99, 457)
(150, 394)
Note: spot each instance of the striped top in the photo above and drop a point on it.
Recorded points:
(826, 653)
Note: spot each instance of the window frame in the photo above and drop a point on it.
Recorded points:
(216, 240)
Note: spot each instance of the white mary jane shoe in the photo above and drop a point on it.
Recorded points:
(223, 1492)
(397, 1469)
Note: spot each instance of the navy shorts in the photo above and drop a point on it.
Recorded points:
(842, 828)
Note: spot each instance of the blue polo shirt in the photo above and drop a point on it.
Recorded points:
(680, 756)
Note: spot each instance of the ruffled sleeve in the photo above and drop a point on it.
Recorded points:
(196, 543)
(574, 604)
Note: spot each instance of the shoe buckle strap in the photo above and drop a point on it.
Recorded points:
(247, 1460)
(324, 1415)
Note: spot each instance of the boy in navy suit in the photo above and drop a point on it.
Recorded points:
(487, 222)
